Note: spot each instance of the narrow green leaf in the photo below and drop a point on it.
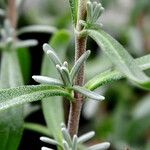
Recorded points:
(47, 80)
(120, 57)
(88, 93)
(36, 28)
(113, 75)
(74, 10)
(10, 127)
(25, 63)
(78, 64)
(20, 95)
(37, 128)
(103, 79)
(50, 105)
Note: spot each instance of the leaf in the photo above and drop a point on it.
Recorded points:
(103, 79)
(48, 140)
(74, 142)
(101, 146)
(52, 54)
(11, 121)
(36, 28)
(86, 137)
(47, 80)
(37, 128)
(66, 76)
(113, 75)
(143, 62)
(120, 57)
(59, 42)
(26, 43)
(88, 93)
(25, 63)
(78, 64)
(20, 95)
(66, 136)
(74, 10)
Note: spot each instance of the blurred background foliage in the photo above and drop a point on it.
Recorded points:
(124, 117)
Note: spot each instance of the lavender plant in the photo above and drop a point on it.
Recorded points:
(70, 83)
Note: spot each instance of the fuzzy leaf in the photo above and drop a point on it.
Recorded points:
(74, 10)
(74, 142)
(20, 95)
(47, 80)
(67, 136)
(86, 137)
(101, 146)
(78, 64)
(52, 54)
(48, 140)
(120, 57)
(54, 57)
(113, 75)
(88, 93)
(66, 77)
(102, 79)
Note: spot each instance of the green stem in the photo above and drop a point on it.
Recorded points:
(80, 48)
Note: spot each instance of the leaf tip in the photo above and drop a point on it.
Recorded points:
(46, 47)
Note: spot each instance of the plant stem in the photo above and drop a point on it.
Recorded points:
(11, 13)
(80, 47)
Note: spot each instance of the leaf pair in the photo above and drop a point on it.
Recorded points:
(21, 95)
(75, 142)
(123, 61)
(66, 76)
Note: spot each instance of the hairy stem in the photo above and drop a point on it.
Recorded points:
(80, 47)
